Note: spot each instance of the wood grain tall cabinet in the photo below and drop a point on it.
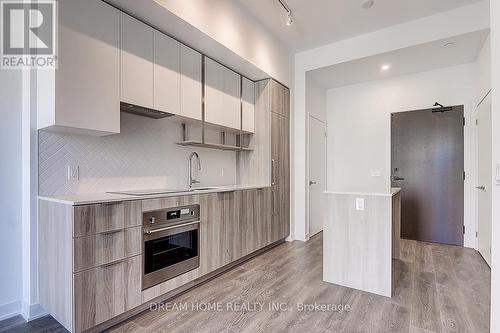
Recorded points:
(280, 156)
(269, 161)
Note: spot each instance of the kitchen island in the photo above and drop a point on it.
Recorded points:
(361, 236)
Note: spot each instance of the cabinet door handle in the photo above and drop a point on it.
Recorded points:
(113, 263)
(111, 232)
(273, 182)
(152, 231)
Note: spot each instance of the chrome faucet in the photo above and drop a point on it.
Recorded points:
(192, 181)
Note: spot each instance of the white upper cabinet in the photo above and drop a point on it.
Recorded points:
(248, 105)
(190, 83)
(136, 62)
(167, 78)
(222, 95)
(83, 94)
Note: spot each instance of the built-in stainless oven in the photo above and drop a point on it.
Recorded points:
(171, 243)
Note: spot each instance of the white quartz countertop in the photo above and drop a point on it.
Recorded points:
(97, 198)
(394, 191)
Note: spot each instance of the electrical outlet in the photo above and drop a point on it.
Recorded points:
(375, 173)
(360, 204)
(73, 173)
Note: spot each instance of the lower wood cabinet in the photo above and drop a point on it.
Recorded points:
(90, 261)
(250, 223)
(91, 256)
(235, 241)
(212, 249)
(107, 291)
(92, 219)
(101, 249)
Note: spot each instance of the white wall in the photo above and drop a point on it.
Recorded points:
(10, 192)
(483, 71)
(495, 86)
(142, 156)
(359, 128)
(440, 26)
(231, 25)
(315, 99)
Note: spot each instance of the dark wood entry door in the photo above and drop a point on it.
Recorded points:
(428, 164)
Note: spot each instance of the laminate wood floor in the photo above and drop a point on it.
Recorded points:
(437, 288)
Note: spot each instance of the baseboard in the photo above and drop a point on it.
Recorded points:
(302, 238)
(10, 310)
(32, 312)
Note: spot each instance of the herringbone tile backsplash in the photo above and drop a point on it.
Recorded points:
(142, 156)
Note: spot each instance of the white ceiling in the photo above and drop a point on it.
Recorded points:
(410, 60)
(320, 22)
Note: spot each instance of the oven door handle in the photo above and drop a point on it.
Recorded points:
(149, 231)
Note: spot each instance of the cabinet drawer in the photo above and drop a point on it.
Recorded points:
(107, 291)
(94, 219)
(100, 249)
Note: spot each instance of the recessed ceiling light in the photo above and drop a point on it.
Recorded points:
(449, 44)
(367, 4)
(385, 67)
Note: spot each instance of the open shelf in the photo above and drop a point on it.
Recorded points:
(192, 143)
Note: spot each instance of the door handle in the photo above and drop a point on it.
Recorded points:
(482, 188)
(312, 182)
(396, 178)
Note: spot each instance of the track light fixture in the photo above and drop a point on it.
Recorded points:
(289, 16)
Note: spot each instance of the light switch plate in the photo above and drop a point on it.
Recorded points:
(360, 204)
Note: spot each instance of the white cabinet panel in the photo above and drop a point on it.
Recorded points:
(167, 77)
(136, 62)
(222, 95)
(190, 83)
(248, 105)
(83, 94)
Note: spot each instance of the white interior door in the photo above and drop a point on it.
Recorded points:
(317, 175)
(484, 179)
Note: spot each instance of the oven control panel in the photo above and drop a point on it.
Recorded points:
(171, 215)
